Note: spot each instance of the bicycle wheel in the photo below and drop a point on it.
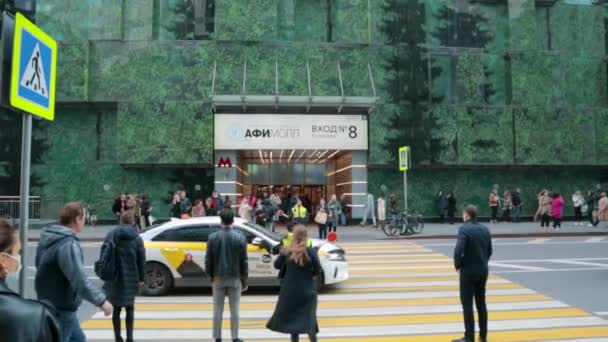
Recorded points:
(419, 226)
(405, 226)
(387, 228)
(395, 229)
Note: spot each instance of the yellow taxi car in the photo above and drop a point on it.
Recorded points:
(175, 255)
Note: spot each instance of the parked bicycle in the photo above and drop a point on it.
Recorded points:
(407, 222)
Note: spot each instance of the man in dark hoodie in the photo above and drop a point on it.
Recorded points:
(60, 276)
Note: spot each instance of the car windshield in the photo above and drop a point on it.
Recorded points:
(263, 231)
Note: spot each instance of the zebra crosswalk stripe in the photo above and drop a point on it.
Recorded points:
(413, 297)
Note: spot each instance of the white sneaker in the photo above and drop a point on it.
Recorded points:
(589, 225)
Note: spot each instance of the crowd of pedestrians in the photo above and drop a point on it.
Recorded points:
(139, 206)
(550, 210)
(551, 206)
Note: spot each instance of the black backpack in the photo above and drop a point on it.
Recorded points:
(106, 267)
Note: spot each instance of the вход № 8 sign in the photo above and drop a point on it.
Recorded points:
(290, 131)
(33, 70)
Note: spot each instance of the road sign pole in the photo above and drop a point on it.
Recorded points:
(26, 150)
(405, 189)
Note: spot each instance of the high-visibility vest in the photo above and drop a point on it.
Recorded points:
(287, 240)
(299, 211)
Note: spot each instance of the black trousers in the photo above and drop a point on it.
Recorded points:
(557, 222)
(451, 214)
(129, 321)
(494, 213)
(473, 286)
(322, 231)
(578, 214)
(296, 338)
(544, 220)
(506, 215)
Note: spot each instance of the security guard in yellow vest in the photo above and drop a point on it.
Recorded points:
(288, 239)
(299, 213)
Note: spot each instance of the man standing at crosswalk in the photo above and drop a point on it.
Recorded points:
(471, 256)
(227, 267)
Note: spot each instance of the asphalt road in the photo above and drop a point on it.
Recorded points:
(573, 271)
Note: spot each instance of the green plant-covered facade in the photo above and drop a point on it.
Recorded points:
(511, 92)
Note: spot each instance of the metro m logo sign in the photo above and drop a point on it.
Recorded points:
(224, 162)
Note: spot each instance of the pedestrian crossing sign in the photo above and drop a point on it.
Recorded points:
(404, 158)
(33, 70)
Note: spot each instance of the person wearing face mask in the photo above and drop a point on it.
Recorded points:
(17, 323)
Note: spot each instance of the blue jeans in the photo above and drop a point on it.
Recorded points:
(515, 213)
(343, 219)
(71, 331)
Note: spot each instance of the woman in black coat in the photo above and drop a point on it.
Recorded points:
(131, 257)
(451, 199)
(296, 310)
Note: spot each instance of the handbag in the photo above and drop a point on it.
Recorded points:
(321, 217)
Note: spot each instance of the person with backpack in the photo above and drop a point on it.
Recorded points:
(123, 249)
(60, 277)
(17, 312)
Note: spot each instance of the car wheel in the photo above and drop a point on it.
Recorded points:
(158, 280)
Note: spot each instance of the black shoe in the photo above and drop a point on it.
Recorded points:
(464, 339)
(218, 340)
(237, 340)
(482, 339)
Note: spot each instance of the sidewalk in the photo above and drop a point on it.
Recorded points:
(431, 231)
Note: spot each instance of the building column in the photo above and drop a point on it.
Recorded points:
(359, 183)
(226, 180)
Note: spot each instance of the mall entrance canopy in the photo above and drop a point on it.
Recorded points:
(293, 144)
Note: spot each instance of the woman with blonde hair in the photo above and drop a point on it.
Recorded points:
(296, 310)
(544, 210)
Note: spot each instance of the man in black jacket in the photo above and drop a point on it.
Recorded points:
(226, 265)
(471, 256)
(516, 201)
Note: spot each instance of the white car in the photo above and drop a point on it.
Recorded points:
(175, 255)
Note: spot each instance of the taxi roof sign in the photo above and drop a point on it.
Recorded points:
(404, 158)
(34, 70)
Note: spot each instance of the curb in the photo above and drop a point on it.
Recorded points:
(503, 235)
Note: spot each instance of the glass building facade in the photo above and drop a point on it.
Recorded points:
(490, 92)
